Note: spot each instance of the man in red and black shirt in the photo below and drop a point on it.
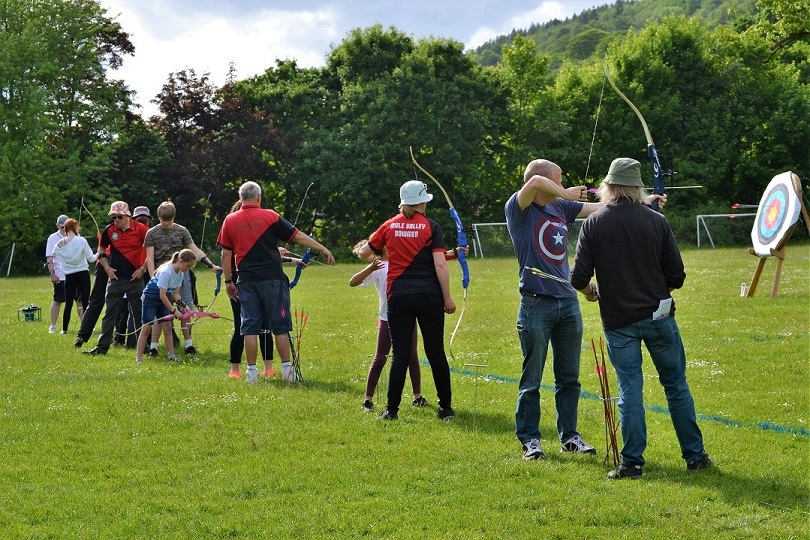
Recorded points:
(251, 235)
(123, 257)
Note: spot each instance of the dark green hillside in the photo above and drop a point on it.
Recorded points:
(592, 30)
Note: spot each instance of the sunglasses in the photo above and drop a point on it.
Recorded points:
(118, 217)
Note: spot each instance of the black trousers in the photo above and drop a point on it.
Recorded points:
(403, 313)
(94, 305)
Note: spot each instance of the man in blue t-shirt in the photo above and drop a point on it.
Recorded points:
(538, 217)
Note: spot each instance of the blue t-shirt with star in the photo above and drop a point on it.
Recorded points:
(540, 238)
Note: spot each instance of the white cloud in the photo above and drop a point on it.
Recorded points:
(206, 35)
(209, 43)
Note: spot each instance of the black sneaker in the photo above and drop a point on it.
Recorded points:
(700, 464)
(78, 342)
(152, 352)
(631, 472)
(445, 413)
(368, 406)
(95, 351)
(420, 402)
(387, 415)
(191, 350)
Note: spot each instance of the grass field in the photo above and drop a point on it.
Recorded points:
(99, 447)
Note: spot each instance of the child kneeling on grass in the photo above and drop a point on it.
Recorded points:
(156, 304)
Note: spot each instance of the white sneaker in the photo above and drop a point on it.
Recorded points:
(52, 329)
(288, 374)
(62, 333)
(576, 444)
(252, 374)
(533, 450)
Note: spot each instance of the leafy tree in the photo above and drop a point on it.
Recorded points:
(436, 100)
(58, 109)
(217, 140)
(139, 156)
(781, 23)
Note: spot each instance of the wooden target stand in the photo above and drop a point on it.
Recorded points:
(777, 217)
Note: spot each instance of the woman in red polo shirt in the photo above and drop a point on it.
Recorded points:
(418, 288)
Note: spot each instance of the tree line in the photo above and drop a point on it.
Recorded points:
(728, 106)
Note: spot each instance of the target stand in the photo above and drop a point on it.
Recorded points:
(777, 216)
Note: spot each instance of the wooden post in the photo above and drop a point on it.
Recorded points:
(780, 260)
(755, 280)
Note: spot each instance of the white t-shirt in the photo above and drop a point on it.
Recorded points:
(52, 240)
(378, 279)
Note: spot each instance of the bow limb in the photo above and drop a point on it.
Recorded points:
(652, 152)
(89, 213)
(217, 289)
(462, 242)
(299, 268)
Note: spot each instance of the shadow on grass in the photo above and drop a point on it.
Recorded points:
(788, 494)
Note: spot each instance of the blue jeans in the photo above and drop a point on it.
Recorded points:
(663, 341)
(544, 319)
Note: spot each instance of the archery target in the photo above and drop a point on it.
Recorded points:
(777, 215)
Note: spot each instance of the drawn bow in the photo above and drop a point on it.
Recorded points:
(462, 242)
(652, 153)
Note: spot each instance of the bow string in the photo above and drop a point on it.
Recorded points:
(652, 152)
(462, 242)
(308, 252)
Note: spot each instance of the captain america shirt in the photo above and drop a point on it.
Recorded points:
(540, 238)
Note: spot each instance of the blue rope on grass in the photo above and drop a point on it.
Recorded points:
(764, 425)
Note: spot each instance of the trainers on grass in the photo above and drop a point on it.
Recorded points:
(533, 450)
(288, 373)
(699, 464)
(420, 402)
(445, 413)
(368, 405)
(576, 444)
(252, 374)
(388, 415)
(631, 472)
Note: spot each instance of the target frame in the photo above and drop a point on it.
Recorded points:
(777, 214)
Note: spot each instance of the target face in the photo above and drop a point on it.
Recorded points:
(778, 213)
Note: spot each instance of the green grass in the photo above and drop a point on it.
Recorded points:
(99, 447)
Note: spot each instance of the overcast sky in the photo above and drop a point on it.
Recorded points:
(206, 35)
